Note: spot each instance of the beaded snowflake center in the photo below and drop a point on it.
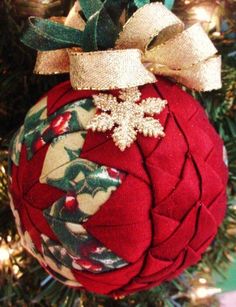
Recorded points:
(128, 113)
(127, 117)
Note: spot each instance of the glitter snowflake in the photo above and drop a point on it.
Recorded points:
(127, 117)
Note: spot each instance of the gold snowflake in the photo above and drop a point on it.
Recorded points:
(128, 117)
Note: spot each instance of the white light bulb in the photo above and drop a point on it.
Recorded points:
(9, 238)
(205, 292)
(202, 14)
(202, 280)
(3, 169)
(15, 269)
(202, 292)
(4, 254)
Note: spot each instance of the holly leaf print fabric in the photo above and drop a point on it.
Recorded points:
(86, 185)
(70, 118)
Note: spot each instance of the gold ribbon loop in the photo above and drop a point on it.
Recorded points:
(103, 70)
(152, 20)
(188, 48)
(153, 42)
(74, 19)
(204, 76)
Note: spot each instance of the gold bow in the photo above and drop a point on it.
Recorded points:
(153, 42)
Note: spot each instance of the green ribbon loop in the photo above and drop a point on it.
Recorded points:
(101, 30)
(169, 4)
(90, 7)
(43, 35)
(103, 26)
(140, 3)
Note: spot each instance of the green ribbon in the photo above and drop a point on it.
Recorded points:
(90, 7)
(103, 27)
(169, 4)
(43, 35)
(101, 30)
(140, 3)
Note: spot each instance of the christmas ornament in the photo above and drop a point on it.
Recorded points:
(116, 222)
(121, 185)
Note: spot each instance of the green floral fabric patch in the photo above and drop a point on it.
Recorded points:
(79, 250)
(87, 187)
(70, 118)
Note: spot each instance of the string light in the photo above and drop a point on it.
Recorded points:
(202, 289)
(201, 14)
(4, 254)
(201, 293)
(216, 34)
(3, 169)
(9, 238)
(202, 281)
(15, 269)
(11, 261)
(209, 16)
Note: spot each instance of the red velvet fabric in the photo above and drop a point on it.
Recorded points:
(167, 210)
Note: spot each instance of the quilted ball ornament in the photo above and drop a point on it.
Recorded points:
(110, 221)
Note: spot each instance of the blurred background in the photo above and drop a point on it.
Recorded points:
(22, 281)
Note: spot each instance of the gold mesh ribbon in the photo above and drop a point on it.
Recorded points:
(153, 42)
